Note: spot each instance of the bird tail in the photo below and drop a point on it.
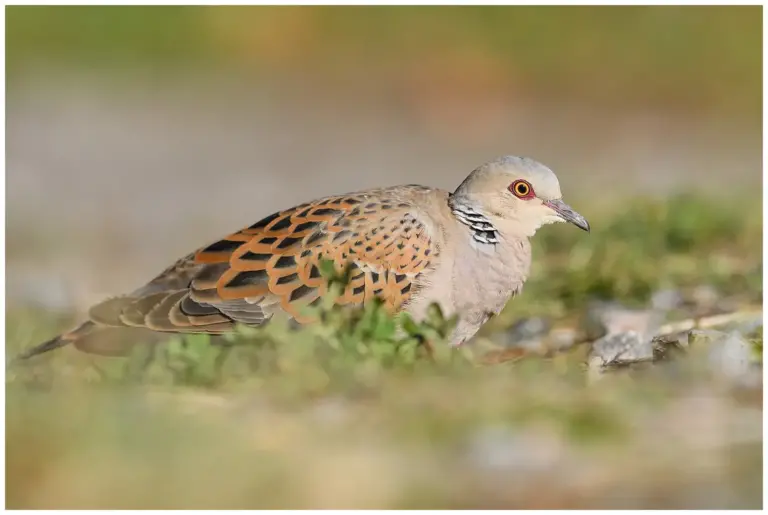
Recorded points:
(58, 341)
(96, 339)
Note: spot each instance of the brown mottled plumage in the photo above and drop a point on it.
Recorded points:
(407, 245)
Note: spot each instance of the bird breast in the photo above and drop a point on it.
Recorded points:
(476, 282)
(489, 275)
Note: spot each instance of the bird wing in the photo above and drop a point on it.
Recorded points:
(273, 265)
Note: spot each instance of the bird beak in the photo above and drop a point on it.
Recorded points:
(567, 213)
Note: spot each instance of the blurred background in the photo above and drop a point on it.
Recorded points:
(137, 134)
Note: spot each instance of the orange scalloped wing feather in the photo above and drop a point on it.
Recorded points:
(276, 260)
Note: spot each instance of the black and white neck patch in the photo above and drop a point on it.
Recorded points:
(482, 229)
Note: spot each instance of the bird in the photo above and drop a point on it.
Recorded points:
(408, 246)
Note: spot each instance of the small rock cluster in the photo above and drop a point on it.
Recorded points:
(620, 336)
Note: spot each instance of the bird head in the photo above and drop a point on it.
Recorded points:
(518, 194)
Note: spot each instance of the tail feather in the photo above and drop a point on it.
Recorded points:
(95, 339)
(46, 346)
(59, 341)
(101, 340)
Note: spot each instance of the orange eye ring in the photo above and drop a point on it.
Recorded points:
(522, 189)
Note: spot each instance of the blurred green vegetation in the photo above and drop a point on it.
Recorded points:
(701, 57)
(348, 412)
(642, 245)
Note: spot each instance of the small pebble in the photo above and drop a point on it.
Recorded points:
(528, 328)
(526, 333)
(622, 348)
(667, 346)
(606, 318)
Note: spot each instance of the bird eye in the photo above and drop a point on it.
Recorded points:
(521, 189)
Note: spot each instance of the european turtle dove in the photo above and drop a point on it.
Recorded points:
(468, 251)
